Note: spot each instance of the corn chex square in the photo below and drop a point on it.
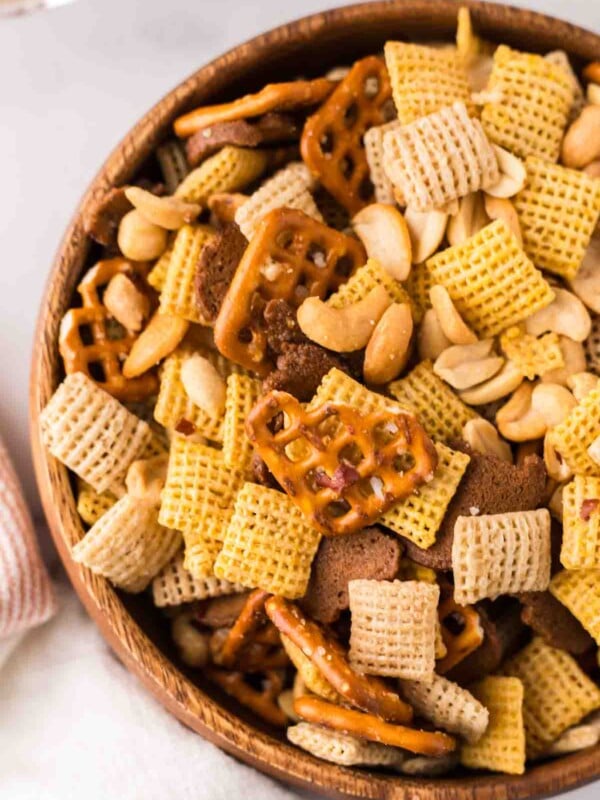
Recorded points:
(491, 281)
(502, 746)
(178, 292)
(341, 748)
(579, 591)
(440, 411)
(418, 517)
(158, 273)
(575, 434)
(364, 280)
(242, 394)
(424, 79)
(91, 505)
(439, 158)
(338, 387)
(496, 554)
(174, 585)
(393, 629)
(558, 210)
(91, 432)
(448, 706)
(418, 285)
(268, 544)
(127, 545)
(558, 694)
(534, 100)
(373, 141)
(229, 170)
(581, 523)
(533, 355)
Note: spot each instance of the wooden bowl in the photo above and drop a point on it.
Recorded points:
(133, 629)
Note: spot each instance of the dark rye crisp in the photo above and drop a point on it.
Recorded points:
(554, 622)
(369, 554)
(300, 368)
(489, 486)
(216, 266)
(101, 223)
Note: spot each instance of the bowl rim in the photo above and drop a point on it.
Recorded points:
(159, 675)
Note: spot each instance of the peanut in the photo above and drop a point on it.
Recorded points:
(506, 381)
(426, 229)
(593, 94)
(383, 231)
(581, 144)
(431, 339)
(512, 174)
(582, 383)
(555, 504)
(389, 346)
(343, 329)
(469, 220)
(552, 402)
(482, 437)
(224, 205)
(593, 169)
(565, 315)
(502, 208)
(139, 239)
(192, 644)
(203, 385)
(145, 479)
(158, 339)
(556, 467)
(574, 358)
(586, 283)
(126, 303)
(166, 212)
(464, 366)
(517, 420)
(452, 323)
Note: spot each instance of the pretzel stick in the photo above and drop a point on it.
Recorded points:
(368, 726)
(363, 691)
(243, 628)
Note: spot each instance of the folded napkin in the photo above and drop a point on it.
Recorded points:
(26, 596)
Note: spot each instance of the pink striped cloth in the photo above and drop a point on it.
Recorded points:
(26, 596)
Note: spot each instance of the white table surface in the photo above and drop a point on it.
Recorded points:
(72, 82)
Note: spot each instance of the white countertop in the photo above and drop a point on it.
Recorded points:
(73, 81)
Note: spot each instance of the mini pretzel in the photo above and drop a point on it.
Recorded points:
(362, 691)
(462, 632)
(110, 345)
(341, 468)
(244, 627)
(261, 702)
(290, 257)
(368, 726)
(274, 97)
(332, 141)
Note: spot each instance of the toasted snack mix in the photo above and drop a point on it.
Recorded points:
(579, 591)
(581, 523)
(268, 543)
(502, 746)
(448, 706)
(557, 693)
(339, 748)
(533, 105)
(424, 79)
(412, 155)
(127, 545)
(501, 554)
(558, 210)
(393, 628)
(327, 384)
(490, 280)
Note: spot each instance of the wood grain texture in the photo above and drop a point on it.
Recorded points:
(322, 40)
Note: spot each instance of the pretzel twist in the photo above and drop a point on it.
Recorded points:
(392, 453)
(262, 702)
(461, 630)
(368, 726)
(362, 691)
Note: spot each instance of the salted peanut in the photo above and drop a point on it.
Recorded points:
(203, 385)
(431, 339)
(517, 421)
(553, 402)
(191, 643)
(574, 357)
(593, 94)
(593, 169)
(506, 381)
(389, 346)
(453, 325)
(285, 701)
(594, 450)
(556, 467)
(581, 144)
(468, 220)
(166, 212)
(126, 303)
(512, 174)
(502, 208)
(145, 479)
(383, 231)
(586, 283)
(566, 315)
(343, 329)
(466, 365)
(555, 503)
(224, 205)
(158, 339)
(139, 239)
(582, 383)
(482, 437)
(426, 230)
